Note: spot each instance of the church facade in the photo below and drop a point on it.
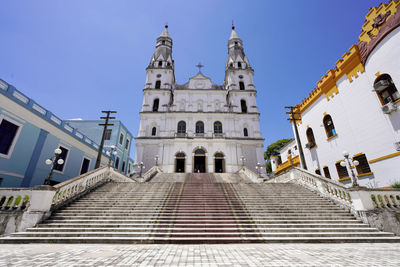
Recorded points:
(199, 126)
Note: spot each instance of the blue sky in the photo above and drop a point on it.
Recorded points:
(77, 57)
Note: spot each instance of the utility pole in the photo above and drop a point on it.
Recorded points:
(107, 118)
(293, 119)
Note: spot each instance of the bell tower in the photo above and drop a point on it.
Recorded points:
(238, 72)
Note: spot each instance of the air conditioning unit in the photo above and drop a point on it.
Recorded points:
(397, 146)
(381, 85)
(389, 108)
(309, 145)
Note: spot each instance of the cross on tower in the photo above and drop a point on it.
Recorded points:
(199, 66)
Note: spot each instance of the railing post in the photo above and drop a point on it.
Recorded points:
(361, 199)
(41, 199)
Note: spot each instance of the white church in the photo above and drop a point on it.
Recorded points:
(199, 126)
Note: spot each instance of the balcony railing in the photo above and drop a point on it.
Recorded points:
(181, 135)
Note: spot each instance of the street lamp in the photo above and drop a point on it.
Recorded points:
(259, 166)
(351, 163)
(156, 159)
(54, 161)
(141, 166)
(111, 154)
(243, 159)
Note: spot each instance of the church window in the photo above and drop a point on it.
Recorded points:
(240, 76)
(342, 171)
(239, 65)
(160, 63)
(326, 172)
(158, 84)
(243, 106)
(154, 131)
(329, 127)
(158, 75)
(218, 127)
(231, 64)
(163, 42)
(156, 104)
(245, 132)
(241, 85)
(199, 127)
(310, 138)
(386, 90)
(168, 64)
(181, 127)
(363, 166)
(236, 43)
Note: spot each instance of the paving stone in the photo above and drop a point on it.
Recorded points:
(362, 254)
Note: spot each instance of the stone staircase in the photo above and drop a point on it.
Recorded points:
(200, 208)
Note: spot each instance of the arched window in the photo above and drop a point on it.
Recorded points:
(239, 65)
(231, 64)
(243, 105)
(160, 63)
(386, 89)
(329, 127)
(156, 103)
(241, 85)
(158, 84)
(199, 127)
(218, 127)
(311, 139)
(168, 64)
(163, 42)
(199, 151)
(154, 131)
(245, 132)
(181, 127)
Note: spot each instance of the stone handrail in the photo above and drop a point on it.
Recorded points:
(14, 198)
(250, 174)
(73, 187)
(371, 198)
(323, 186)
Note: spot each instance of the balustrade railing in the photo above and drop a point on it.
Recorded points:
(385, 198)
(14, 199)
(76, 186)
(325, 187)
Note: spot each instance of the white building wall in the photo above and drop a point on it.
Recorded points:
(360, 124)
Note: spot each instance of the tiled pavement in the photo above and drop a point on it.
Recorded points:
(377, 254)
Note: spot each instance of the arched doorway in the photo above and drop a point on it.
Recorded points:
(199, 162)
(180, 162)
(219, 162)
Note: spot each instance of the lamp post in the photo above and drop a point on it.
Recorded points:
(351, 163)
(156, 159)
(54, 161)
(243, 159)
(258, 168)
(141, 166)
(111, 154)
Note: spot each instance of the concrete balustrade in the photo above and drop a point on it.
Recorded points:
(250, 174)
(21, 208)
(373, 206)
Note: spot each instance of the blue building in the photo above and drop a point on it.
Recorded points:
(116, 136)
(29, 134)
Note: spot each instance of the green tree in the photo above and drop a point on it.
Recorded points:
(273, 148)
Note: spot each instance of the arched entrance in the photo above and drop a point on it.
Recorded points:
(199, 162)
(219, 162)
(180, 162)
